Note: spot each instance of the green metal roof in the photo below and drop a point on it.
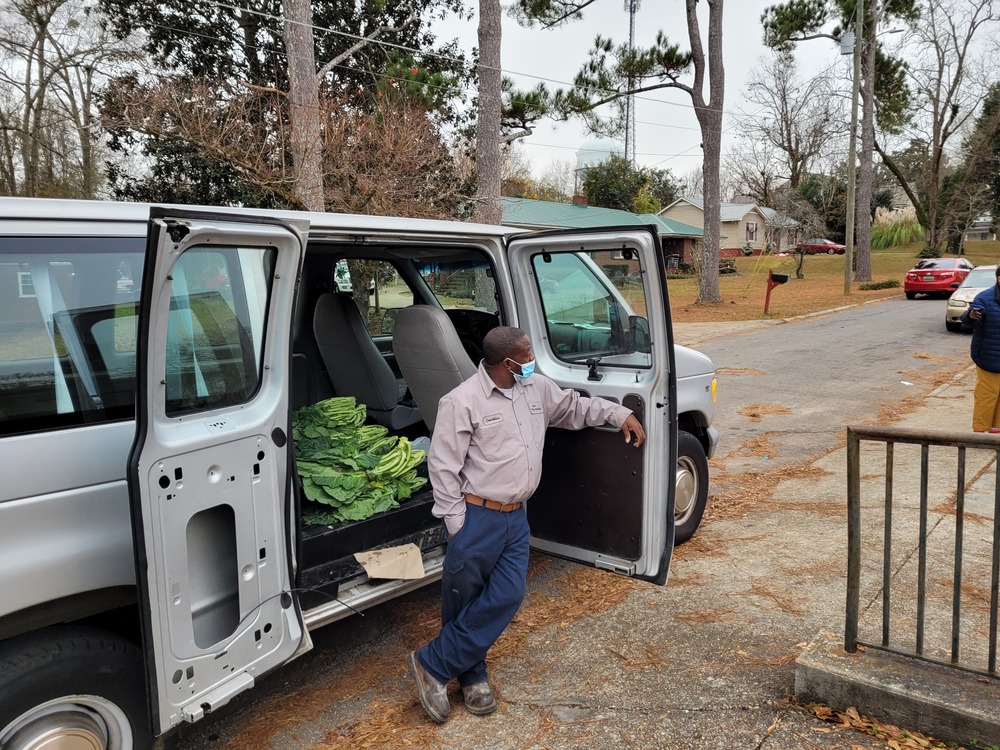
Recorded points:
(524, 212)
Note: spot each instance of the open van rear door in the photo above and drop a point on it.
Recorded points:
(594, 304)
(210, 474)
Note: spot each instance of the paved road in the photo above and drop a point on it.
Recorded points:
(828, 372)
(598, 661)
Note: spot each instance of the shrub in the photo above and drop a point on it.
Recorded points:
(894, 233)
(884, 284)
(929, 252)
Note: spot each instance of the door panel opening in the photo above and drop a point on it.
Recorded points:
(214, 571)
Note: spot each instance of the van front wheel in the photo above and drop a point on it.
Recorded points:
(691, 486)
(72, 687)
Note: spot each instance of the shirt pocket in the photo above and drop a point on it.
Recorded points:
(497, 438)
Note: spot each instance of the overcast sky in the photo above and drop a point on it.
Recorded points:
(667, 133)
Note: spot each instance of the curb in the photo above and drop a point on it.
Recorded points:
(946, 703)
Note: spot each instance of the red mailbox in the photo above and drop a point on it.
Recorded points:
(773, 280)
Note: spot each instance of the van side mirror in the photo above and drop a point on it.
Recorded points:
(639, 327)
(388, 324)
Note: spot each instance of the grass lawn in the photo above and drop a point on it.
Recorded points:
(821, 289)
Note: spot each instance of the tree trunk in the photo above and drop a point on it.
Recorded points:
(710, 119)
(303, 105)
(488, 163)
(866, 170)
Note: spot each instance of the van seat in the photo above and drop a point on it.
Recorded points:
(355, 365)
(430, 355)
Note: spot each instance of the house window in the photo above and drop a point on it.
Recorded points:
(619, 255)
(751, 231)
(25, 286)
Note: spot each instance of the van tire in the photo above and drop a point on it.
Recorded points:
(691, 482)
(73, 679)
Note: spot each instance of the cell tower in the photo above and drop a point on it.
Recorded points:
(632, 6)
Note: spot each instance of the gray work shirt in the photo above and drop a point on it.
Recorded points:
(490, 445)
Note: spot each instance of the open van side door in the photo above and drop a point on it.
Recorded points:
(594, 304)
(210, 472)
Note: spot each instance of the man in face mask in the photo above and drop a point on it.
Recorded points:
(485, 461)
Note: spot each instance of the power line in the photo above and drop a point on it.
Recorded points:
(426, 84)
(393, 45)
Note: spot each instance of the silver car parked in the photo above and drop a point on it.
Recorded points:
(980, 278)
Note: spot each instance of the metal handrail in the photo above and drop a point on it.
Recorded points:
(925, 438)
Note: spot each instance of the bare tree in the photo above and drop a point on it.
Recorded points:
(799, 118)
(54, 56)
(398, 161)
(753, 168)
(951, 74)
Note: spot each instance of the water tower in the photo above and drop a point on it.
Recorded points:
(594, 152)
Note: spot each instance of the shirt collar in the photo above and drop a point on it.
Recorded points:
(488, 386)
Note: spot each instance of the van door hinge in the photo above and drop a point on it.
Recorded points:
(622, 567)
(217, 698)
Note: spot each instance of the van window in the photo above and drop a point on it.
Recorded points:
(215, 332)
(588, 314)
(387, 292)
(67, 330)
(462, 284)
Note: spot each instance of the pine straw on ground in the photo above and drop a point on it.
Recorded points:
(784, 601)
(930, 357)
(976, 597)
(755, 447)
(650, 657)
(738, 371)
(396, 720)
(579, 593)
(749, 489)
(752, 488)
(757, 412)
(893, 736)
(891, 413)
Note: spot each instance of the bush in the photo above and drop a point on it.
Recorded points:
(884, 284)
(892, 234)
(929, 252)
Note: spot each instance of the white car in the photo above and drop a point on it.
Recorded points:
(979, 278)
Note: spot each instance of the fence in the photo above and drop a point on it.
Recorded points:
(957, 628)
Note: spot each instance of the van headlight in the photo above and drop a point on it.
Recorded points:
(715, 387)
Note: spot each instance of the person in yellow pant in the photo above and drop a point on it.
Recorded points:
(984, 316)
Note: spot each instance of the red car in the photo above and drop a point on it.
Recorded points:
(818, 246)
(940, 276)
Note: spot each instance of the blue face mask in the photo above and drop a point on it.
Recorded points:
(526, 370)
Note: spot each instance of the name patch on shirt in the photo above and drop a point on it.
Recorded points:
(492, 419)
(535, 407)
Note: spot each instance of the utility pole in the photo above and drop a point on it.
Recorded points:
(632, 6)
(852, 149)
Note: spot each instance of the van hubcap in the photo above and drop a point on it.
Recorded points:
(79, 722)
(686, 490)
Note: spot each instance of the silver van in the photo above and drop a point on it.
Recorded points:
(157, 551)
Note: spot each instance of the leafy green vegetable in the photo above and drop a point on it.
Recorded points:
(354, 470)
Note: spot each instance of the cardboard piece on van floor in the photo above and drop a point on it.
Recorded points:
(402, 562)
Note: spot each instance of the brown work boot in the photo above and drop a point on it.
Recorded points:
(479, 698)
(433, 695)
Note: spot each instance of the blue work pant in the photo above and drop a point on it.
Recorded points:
(481, 589)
